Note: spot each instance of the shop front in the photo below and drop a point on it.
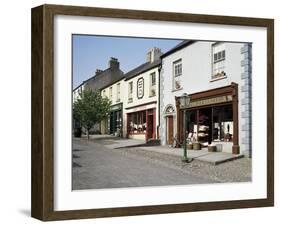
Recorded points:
(141, 123)
(212, 118)
(115, 120)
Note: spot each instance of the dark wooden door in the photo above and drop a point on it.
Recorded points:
(150, 127)
(170, 130)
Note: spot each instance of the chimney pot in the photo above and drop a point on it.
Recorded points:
(98, 71)
(113, 63)
(153, 54)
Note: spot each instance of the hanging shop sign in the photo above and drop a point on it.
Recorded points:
(140, 88)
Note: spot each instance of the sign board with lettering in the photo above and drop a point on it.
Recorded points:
(210, 101)
(140, 88)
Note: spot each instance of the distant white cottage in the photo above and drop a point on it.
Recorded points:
(217, 78)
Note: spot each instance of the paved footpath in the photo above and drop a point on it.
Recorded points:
(97, 166)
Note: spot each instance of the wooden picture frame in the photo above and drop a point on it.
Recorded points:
(42, 203)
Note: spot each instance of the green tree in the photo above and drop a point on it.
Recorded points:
(90, 108)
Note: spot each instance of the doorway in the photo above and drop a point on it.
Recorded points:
(150, 124)
(169, 129)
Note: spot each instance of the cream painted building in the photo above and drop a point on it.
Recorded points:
(116, 93)
(141, 119)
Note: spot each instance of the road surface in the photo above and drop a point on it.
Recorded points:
(96, 166)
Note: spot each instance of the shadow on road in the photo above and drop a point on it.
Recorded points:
(75, 156)
(76, 150)
(106, 138)
(74, 164)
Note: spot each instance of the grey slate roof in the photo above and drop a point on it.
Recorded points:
(141, 69)
(104, 79)
(181, 45)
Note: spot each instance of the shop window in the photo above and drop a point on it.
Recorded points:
(219, 56)
(213, 124)
(223, 123)
(137, 122)
(204, 125)
(192, 125)
(130, 92)
(152, 86)
(177, 74)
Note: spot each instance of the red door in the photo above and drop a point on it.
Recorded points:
(150, 122)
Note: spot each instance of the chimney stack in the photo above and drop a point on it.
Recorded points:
(113, 63)
(153, 54)
(98, 71)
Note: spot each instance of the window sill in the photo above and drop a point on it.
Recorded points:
(174, 90)
(219, 78)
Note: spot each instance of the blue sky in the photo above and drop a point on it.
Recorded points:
(93, 52)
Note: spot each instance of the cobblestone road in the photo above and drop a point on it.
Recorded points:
(95, 166)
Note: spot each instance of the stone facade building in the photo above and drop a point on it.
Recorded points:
(101, 80)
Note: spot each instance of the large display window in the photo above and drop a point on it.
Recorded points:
(212, 118)
(210, 124)
(137, 122)
(223, 123)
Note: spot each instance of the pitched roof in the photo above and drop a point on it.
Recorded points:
(141, 69)
(114, 80)
(82, 83)
(179, 46)
(105, 78)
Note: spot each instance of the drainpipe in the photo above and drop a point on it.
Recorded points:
(159, 70)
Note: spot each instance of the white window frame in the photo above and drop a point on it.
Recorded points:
(130, 91)
(218, 62)
(110, 93)
(118, 87)
(177, 74)
(152, 87)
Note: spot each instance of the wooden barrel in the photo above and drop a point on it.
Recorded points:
(212, 148)
(196, 146)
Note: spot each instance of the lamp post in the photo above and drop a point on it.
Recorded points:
(184, 102)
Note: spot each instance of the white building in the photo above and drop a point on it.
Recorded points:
(217, 77)
(77, 91)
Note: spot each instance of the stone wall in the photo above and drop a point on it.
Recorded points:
(246, 99)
